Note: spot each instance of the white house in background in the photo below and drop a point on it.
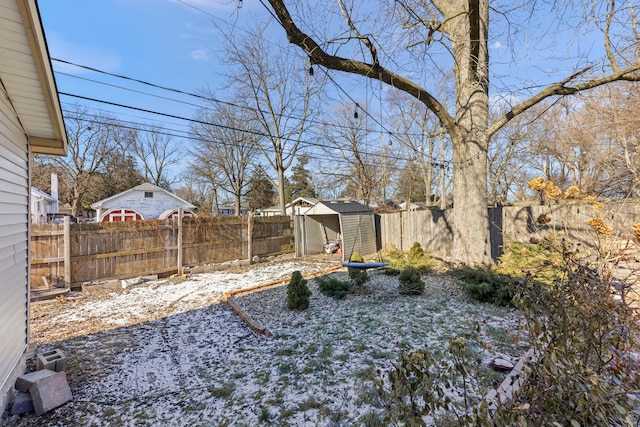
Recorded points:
(301, 205)
(296, 207)
(146, 201)
(41, 205)
(30, 123)
(270, 211)
(412, 206)
(229, 209)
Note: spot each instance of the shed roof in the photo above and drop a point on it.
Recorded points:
(27, 77)
(326, 207)
(303, 200)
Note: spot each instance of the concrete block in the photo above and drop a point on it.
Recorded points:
(24, 382)
(50, 392)
(22, 403)
(54, 360)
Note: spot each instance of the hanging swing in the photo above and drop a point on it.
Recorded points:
(364, 265)
(367, 265)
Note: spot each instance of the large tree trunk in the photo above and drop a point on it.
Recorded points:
(468, 33)
(470, 215)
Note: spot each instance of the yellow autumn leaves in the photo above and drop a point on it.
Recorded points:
(573, 193)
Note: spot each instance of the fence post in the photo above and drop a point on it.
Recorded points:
(67, 251)
(180, 270)
(250, 237)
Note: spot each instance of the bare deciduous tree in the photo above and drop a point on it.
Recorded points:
(436, 36)
(279, 91)
(349, 139)
(92, 137)
(418, 131)
(157, 152)
(226, 148)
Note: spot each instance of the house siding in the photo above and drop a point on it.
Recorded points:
(14, 252)
(148, 207)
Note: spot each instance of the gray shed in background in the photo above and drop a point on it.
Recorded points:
(347, 221)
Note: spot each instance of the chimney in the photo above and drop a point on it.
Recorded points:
(54, 191)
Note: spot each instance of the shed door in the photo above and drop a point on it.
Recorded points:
(358, 234)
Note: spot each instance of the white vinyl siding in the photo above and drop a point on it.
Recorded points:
(14, 251)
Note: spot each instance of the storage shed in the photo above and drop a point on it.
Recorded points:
(347, 222)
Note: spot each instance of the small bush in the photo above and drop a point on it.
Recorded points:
(359, 276)
(356, 257)
(540, 259)
(416, 253)
(410, 282)
(485, 285)
(416, 258)
(298, 292)
(333, 288)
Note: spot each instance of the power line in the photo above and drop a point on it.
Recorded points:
(181, 92)
(215, 100)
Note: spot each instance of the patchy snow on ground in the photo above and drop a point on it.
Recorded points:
(170, 353)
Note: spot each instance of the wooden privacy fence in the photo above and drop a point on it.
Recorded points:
(77, 253)
(520, 222)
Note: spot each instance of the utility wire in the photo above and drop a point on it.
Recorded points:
(189, 136)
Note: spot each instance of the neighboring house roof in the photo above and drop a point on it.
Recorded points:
(303, 200)
(269, 209)
(27, 77)
(142, 187)
(412, 206)
(35, 192)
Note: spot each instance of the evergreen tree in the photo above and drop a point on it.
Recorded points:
(301, 183)
(261, 193)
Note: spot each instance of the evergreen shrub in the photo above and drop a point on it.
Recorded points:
(332, 287)
(298, 292)
(410, 282)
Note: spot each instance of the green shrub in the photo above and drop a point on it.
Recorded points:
(418, 384)
(486, 285)
(410, 282)
(584, 372)
(540, 259)
(358, 275)
(298, 292)
(584, 338)
(416, 253)
(333, 288)
(356, 257)
(416, 258)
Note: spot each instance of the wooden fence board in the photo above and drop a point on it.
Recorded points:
(103, 251)
(432, 228)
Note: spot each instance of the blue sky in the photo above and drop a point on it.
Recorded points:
(174, 43)
(165, 42)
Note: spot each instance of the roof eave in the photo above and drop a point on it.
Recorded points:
(37, 42)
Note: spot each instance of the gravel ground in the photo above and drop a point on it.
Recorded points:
(169, 353)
